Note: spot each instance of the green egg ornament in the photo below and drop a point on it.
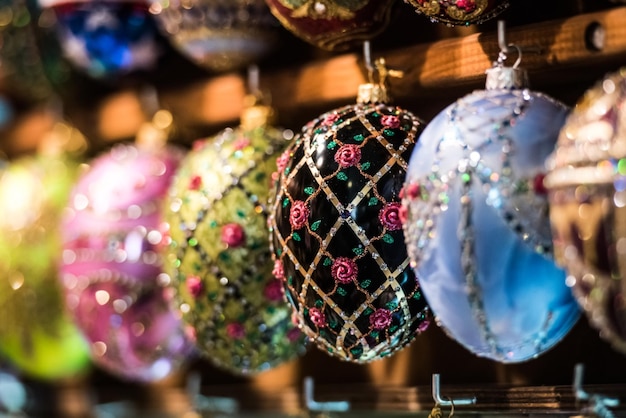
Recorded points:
(36, 334)
(219, 255)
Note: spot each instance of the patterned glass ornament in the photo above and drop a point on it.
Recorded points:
(478, 231)
(333, 25)
(459, 12)
(36, 334)
(221, 35)
(587, 192)
(104, 39)
(112, 264)
(337, 231)
(222, 266)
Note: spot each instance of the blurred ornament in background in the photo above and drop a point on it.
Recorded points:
(220, 253)
(113, 238)
(36, 334)
(587, 191)
(459, 12)
(104, 39)
(220, 35)
(478, 230)
(21, 68)
(336, 228)
(333, 25)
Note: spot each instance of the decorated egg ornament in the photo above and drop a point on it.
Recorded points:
(104, 39)
(587, 190)
(220, 254)
(36, 335)
(112, 265)
(333, 24)
(478, 231)
(459, 12)
(220, 35)
(336, 229)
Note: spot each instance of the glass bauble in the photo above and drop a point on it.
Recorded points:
(587, 187)
(36, 334)
(333, 25)
(22, 69)
(112, 263)
(478, 230)
(337, 233)
(222, 265)
(221, 35)
(104, 38)
(459, 12)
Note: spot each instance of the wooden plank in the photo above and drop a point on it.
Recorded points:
(431, 69)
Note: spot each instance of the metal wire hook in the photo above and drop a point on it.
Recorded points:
(367, 57)
(315, 406)
(436, 386)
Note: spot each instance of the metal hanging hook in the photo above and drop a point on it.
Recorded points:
(367, 57)
(598, 404)
(314, 406)
(436, 388)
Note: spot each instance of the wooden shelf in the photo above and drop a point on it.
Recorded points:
(430, 69)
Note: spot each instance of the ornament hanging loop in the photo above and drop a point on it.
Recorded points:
(500, 76)
(256, 109)
(375, 90)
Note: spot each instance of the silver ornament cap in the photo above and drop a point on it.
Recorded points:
(506, 78)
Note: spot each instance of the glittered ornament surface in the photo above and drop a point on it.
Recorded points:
(337, 232)
(112, 268)
(333, 24)
(478, 231)
(222, 266)
(587, 187)
(459, 12)
(105, 39)
(36, 334)
(221, 35)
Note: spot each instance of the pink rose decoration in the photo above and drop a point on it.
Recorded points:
(403, 214)
(348, 155)
(294, 334)
(233, 235)
(273, 291)
(538, 185)
(283, 160)
(380, 319)
(241, 143)
(195, 182)
(317, 317)
(299, 214)
(423, 325)
(330, 119)
(389, 216)
(344, 270)
(390, 121)
(194, 286)
(235, 330)
(279, 270)
(467, 5)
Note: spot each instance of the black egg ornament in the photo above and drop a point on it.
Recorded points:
(336, 229)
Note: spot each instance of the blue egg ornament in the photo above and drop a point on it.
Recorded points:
(104, 39)
(478, 230)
